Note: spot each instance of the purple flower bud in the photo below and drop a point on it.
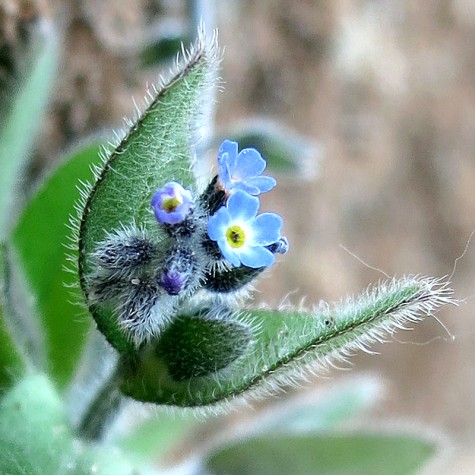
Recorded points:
(173, 281)
(179, 271)
(279, 247)
(171, 204)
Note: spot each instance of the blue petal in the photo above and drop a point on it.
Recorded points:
(174, 217)
(249, 163)
(242, 206)
(228, 252)
(256, 257)
(218, 223)
(242, 185)
(227, 154)
(224, 175)
(266, 228)
(262, 183)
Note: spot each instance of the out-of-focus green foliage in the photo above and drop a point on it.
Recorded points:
(314, 454)
(36, 438)
(20, 117)
(39, 240)
(287, 153)
(152, 438)
(11, 361)
(163, 49)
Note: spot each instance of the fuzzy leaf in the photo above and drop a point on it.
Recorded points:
(283, 347)
(39, 240)
(358, 454)
(35, 437)
(194, 347)
(12, 363)
(21, 120)
(155, 150)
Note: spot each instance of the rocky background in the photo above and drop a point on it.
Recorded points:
(387, 89)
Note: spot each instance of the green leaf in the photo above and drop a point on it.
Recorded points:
(283, 346)
(35, 437)
(156, 149)
(287, 153)
(39, 240)
(197, 346)
(358, 454)
(12, 363)
(21, 121)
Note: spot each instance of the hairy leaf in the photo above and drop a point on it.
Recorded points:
(40, 239)
(194, 347)
(283, 347)
(156, 149)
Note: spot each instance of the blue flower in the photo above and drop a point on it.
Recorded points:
(171, 203)
(241, 235)
(241, 171)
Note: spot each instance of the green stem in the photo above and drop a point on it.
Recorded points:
(103, 408)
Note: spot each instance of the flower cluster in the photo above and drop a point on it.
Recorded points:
(243, 237)
(217, 242)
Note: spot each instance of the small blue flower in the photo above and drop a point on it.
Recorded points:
(241, 235)
(171, 203)
(241, 171)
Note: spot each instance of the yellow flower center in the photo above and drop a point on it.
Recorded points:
(235, 236)
(171, 204)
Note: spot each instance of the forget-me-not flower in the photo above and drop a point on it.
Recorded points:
(171, 203)
(241, 235)
(242, 171)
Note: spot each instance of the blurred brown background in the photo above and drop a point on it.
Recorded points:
(388, 90)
